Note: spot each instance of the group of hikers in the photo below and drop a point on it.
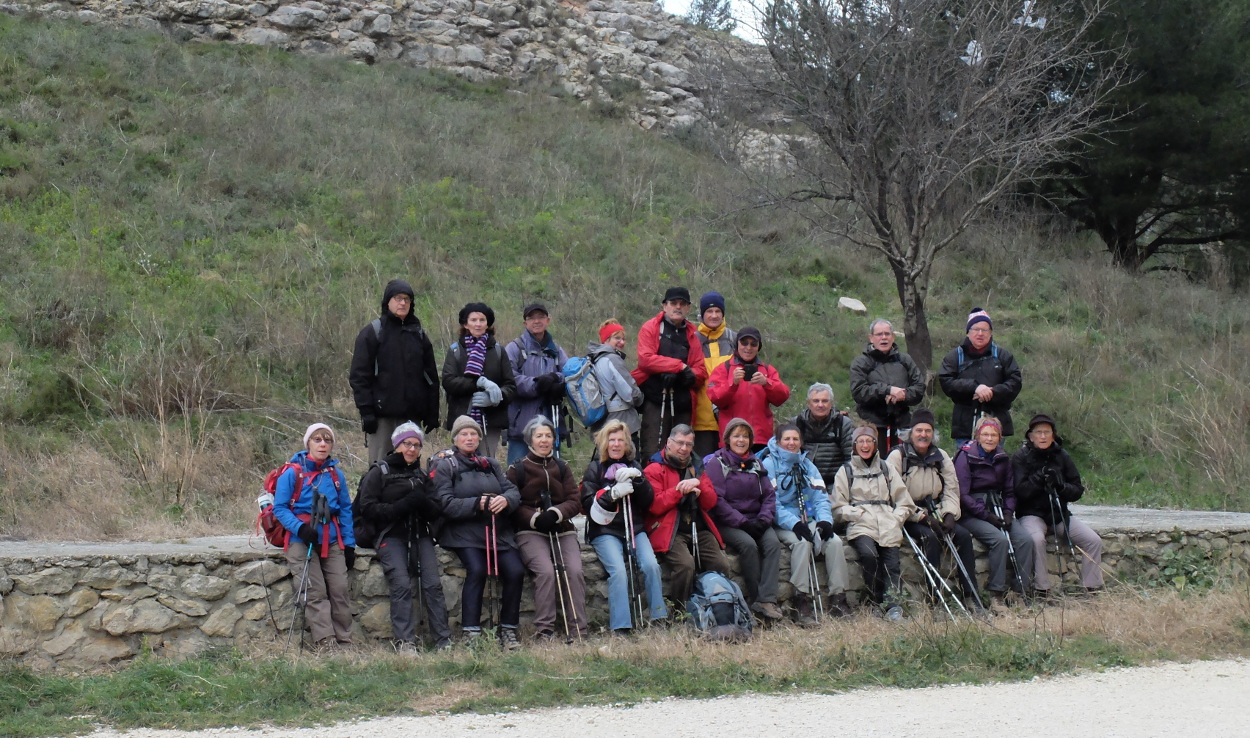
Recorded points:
(687, 462)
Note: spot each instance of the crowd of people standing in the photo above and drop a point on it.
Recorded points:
(688, 461)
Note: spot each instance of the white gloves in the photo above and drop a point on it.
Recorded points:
(621, 489)
(492, 391)
(626, 474)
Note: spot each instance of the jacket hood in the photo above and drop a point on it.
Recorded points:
(781, 455)
(396, 287)
(594, 348)
(891, 355)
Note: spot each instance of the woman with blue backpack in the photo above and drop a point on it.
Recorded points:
(616, 384)
(312, 502)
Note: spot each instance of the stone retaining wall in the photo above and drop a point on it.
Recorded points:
(80, 604)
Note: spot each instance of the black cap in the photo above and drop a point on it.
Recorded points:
(477, 307)
(534, 306)
(751, 332)
(923, 415)
(677, 293)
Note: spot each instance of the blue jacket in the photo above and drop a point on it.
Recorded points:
(786, 470)
(317, 479)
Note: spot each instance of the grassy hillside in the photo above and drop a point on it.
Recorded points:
(192, 235)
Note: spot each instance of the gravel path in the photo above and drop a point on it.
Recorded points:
(1204, 699)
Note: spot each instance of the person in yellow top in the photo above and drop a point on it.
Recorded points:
(718, 346)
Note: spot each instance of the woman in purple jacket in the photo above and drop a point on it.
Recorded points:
(746, 506)
(987, 500)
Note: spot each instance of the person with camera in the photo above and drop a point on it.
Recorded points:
(1046, 480)
(670, 370)
(743, 387)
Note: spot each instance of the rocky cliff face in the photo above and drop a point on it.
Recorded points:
(615, 52)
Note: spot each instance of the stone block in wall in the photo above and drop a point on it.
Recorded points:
(38, 613)
(80, 601)
(265, 37)
(221, 621)
(295, 17)
(207, 10)
(56, 580)
(144, 616)
(69, 640)
(204, 587)
(376, 620)
(101, 649)
(194, 608)
(109, 575)
(249, 593)
(261, 571)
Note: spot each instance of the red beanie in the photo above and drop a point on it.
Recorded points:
(606, 331)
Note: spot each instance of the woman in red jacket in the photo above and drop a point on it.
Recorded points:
(745, 388)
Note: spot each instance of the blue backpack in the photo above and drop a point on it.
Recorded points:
(582, 386)
(718, 609)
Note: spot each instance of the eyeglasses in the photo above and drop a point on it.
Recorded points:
(321, 439)
(1042, 433)
(410, 444)
(979, 330)
(402, 298)
(682, 444)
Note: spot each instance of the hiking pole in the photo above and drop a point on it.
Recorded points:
(555, 422)
(663, 407)
(996, 501)
(694, 535)
(1056, 513)
(492, 568)
(818, 609)
(969, 581)
(557, 563)
(937, 583)
(631, 564)
(414, 569)
(301, 591)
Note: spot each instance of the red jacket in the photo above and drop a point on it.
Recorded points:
(751, 402)
(650, 363)
(662, 517)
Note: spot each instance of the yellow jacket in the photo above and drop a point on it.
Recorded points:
(718, 347)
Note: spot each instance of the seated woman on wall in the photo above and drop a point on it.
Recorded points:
(612, 486)
(805, 524)
(873, 501)
(1046, 481)
(312, 502)
(477, 500)
(397, 510)
(746, 506)
(548, 541)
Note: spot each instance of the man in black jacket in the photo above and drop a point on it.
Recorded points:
(980, 377)
(886, 384)
(393, 375)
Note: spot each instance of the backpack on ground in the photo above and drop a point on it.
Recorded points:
(718, 609)
(266, 522)
(585, 395)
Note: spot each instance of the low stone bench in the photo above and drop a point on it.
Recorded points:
(100, 602)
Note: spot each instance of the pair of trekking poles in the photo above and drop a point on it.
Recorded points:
(319, 520)
(933, 575)
(818, 607)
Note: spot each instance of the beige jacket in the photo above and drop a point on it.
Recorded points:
(933, 476)
(873, 503)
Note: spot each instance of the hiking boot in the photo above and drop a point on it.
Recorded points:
(442, 644)
(895, 614)
(508, 639)
(998, 603)
(545, 636)
(767, 610)
(324, 647)
(804, 615)
(408, 648)
(839, 606)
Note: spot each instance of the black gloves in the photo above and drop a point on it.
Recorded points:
(754, 528)
(1054, 478)
(935, 523)
(686, 379)
(349, 555)
(1007, 516)
(948, 522)
(307, 534)
(547, 521)
(826, 530)
(667, 380)
(993, 520)
(546, 382)
(802, 531)
(369, 423)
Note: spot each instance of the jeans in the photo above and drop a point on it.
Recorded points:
(511, 576)
(611, 552)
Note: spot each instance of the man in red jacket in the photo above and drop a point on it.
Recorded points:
(679, 515)
(670, 369)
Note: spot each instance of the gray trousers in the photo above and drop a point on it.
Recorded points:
(760, 561)
(393, 554)
(536, 552)
(996, 541)
(328, 612)
(379, 442)
(801, 563)
(1088, 546)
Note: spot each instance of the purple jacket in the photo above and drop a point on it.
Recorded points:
(743, 490)
(978, 475)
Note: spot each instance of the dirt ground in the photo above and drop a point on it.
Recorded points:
(1205, 699)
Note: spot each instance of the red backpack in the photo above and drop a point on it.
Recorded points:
(266, 522)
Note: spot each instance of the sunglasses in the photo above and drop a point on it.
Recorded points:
(321, 439)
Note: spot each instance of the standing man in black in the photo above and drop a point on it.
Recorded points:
(393, 375)
(980, 377)
(886, 384)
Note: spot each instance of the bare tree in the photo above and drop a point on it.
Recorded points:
(924, 113)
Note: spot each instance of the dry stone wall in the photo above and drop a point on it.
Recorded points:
(615, 52)
(75, 605)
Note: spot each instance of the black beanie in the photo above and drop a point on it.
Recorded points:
(477, 307)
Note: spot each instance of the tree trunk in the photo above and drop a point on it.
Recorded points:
(911, 296)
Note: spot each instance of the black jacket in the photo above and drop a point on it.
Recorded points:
(872, 375)
(827, 444)
(393, 375)
(460, 386)
(996, 369)
(1037, 473)
(396, 501)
